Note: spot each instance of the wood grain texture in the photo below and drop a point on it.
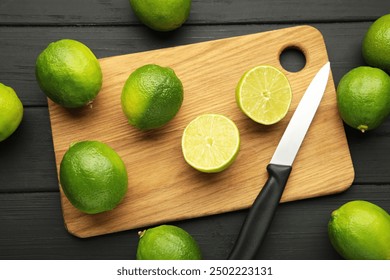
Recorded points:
(161, 186)
(97, 12)
(31, 227)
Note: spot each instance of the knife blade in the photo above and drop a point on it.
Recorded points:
(263, 209)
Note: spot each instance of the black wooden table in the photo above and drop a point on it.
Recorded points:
(31, 223)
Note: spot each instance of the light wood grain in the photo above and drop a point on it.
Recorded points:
(162, 187)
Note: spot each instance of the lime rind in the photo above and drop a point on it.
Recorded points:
(69, 73)
(264, 94)
(11, 111)
(152, 96)
(360, 230)
(167, 242)
(210, 143)
(162, 15)
(376, 44)
(363, 98)
(93, 177)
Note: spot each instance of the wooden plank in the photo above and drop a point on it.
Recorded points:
(27, 158)
(18, 59)
(98, 12)
(209, 72)
(32, 228)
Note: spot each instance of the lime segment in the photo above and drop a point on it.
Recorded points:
(264, 94)
(210, 143)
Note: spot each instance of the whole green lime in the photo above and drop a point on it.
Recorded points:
(11, 111)
(376, 44)
(363, 97)
(69, 73)
(162, 15)
(151, 96)
(167, 242)
(93, 177)
(360, 230)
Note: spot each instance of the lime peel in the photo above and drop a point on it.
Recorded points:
(360, 230)
(162, 15)
(69, 73)
(93, 177)
(363, 98)
(376, 44)
(167, 242)
(11, 111)
(151, 96)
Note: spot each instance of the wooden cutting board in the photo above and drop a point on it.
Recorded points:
(162, 187)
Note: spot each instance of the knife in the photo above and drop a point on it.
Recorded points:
(263, 209)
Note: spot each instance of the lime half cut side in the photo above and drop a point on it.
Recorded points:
(210, 143)
(264, 94)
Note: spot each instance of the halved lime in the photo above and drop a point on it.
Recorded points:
(264, 94)
(210, 143)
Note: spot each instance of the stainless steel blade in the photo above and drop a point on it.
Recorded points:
(299, 124)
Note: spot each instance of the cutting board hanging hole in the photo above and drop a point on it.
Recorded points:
(292, 59)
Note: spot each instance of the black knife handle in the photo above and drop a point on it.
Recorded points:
(260, 214)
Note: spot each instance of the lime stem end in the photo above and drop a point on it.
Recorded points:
(362, 128)
(141, 233)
